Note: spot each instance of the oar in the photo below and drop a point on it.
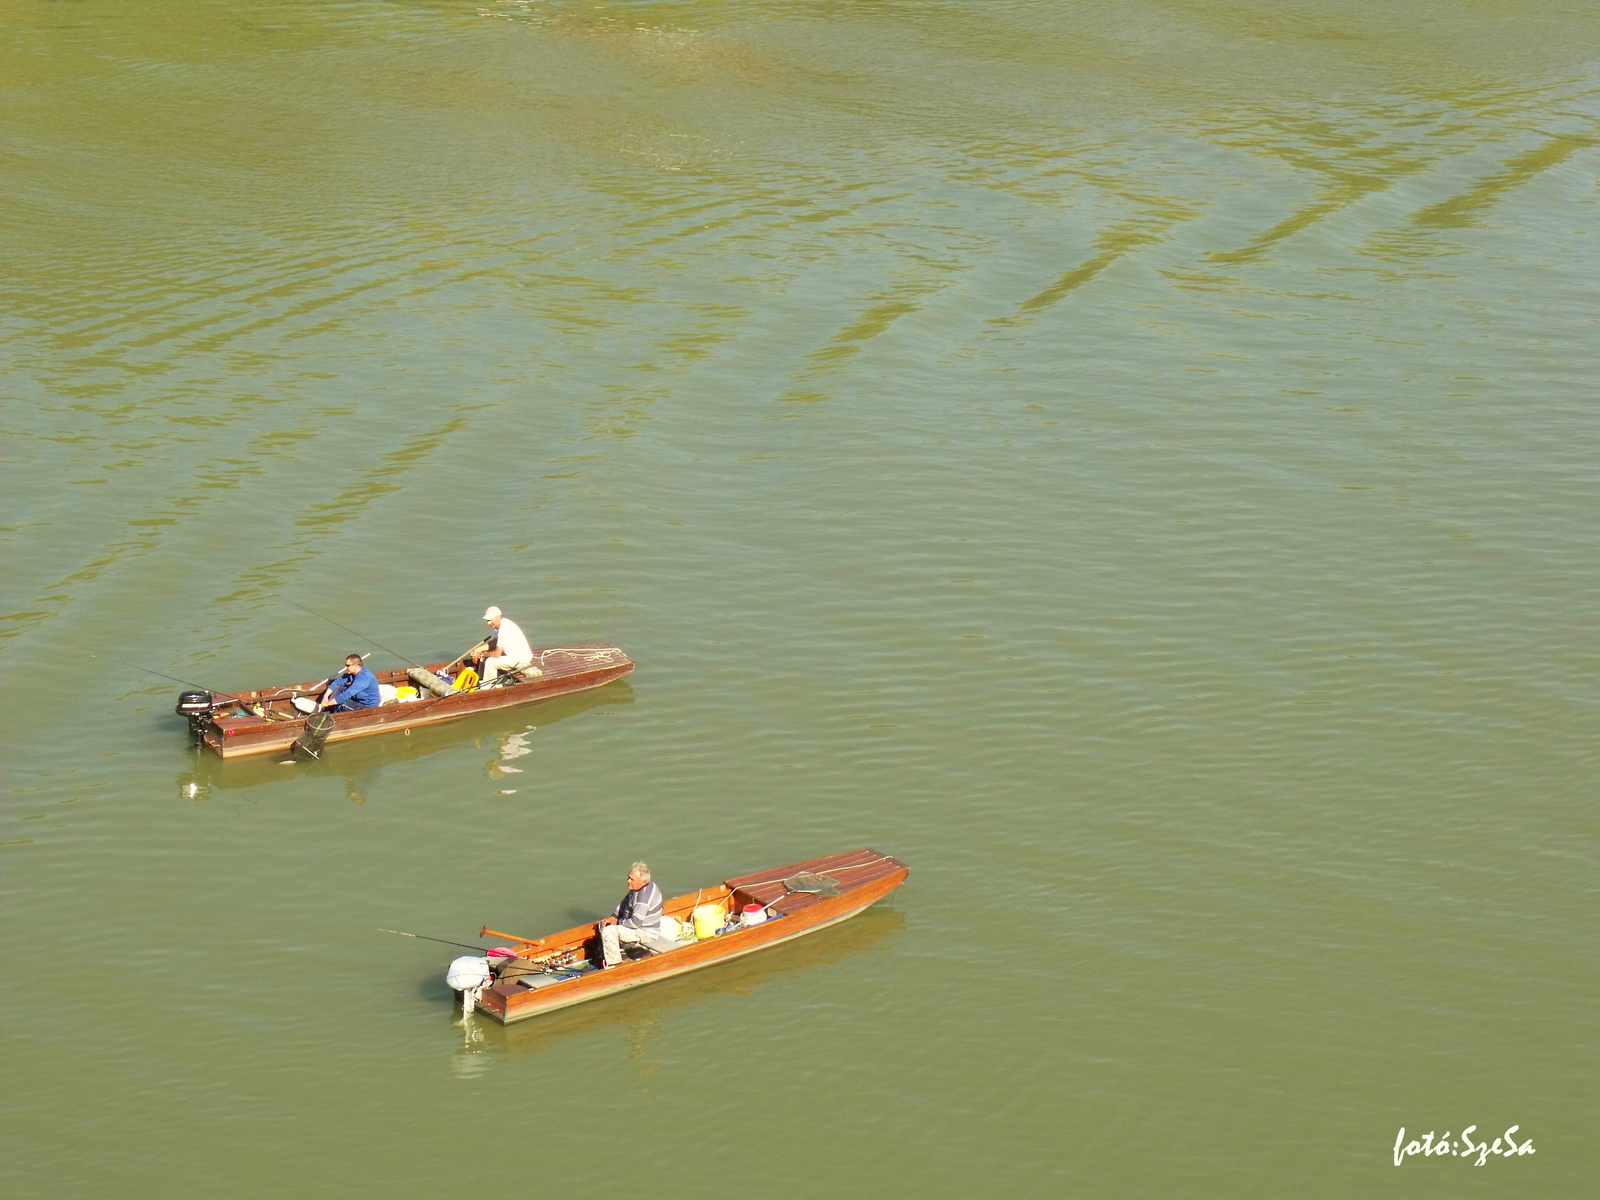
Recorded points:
(510, 937)
(542, 960)
(473, 649)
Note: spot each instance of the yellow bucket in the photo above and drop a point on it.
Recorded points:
(707, 920)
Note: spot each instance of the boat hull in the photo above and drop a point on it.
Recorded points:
(568, 670)
(865, 878)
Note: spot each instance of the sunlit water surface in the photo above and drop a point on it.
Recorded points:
(1136, 463)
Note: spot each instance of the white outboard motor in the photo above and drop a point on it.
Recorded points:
(469, 976)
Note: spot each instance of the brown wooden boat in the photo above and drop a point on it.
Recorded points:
(266, 721)
(557, 971)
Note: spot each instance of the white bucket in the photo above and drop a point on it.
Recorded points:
(753, 914)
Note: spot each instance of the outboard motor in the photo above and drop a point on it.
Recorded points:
(197, 707)
(469, 976)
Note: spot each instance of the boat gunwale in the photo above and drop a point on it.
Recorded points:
(810, 916)
(239, 737)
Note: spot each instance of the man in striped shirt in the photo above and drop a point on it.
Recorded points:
(637, 919)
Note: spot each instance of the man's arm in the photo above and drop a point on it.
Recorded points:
(646, 908)
(367, 689)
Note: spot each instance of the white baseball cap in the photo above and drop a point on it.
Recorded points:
(492, 613)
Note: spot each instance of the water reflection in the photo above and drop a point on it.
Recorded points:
(1468, 206)
(636, 1015)
(360, 763)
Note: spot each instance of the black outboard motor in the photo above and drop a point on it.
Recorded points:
(197, 707)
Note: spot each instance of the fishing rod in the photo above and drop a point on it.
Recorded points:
(542, 960)
(535, 966)
(446, 941)
(307, 690)
(161, 674)
(352, 632)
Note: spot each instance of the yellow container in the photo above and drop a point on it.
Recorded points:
(707, 920)
(405, 693)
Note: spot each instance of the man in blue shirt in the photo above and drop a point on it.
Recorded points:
(355, 688)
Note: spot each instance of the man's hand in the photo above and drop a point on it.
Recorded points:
(608, 921)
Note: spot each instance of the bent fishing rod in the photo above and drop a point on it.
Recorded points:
(160, 674)
(352, 633)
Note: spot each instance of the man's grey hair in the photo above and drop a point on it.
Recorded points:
(642, 869)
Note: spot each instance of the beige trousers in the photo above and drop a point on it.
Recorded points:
(493, 667)
(614, 937)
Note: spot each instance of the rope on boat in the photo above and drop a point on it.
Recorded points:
(584, 653)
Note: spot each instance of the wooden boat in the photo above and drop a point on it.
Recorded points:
(746, 976)
(557, 971)
(266, 721)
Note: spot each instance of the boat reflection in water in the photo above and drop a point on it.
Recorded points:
(636, 1014)
(360, 763)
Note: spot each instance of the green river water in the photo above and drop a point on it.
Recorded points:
(1137, 463)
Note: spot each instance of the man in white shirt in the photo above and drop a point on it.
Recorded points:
(510, 650)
